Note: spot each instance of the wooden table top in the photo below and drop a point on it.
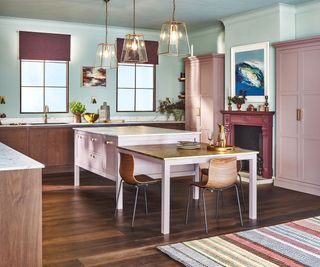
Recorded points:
(171, 151)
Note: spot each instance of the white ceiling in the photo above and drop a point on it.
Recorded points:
(149, 13)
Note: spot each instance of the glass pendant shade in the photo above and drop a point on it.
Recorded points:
(174, 39)
(106, 56)
(134, 49)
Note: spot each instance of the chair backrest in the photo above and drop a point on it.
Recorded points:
(222, 172)
(127, 168)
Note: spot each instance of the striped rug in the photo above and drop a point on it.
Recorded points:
(291, 244)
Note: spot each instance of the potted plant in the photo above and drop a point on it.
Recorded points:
(77, 108)
(169, 107)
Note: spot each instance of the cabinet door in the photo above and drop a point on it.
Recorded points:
(310, 127)
(38, 144)
(60, 146)
(110, 145)
(288, 131)
(16, 138)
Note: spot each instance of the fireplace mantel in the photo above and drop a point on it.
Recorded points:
(253, 118)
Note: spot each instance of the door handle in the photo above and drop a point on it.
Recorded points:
(299, 114)
(109, 142)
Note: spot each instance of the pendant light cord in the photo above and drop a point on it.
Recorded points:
(173, 9)
(134, 16)
(106, 21)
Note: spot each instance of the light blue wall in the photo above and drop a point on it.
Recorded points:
(308, 20)
(84, 40)
(208, 40)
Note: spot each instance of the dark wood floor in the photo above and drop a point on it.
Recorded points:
(79, 228)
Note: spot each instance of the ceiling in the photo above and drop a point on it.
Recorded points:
(149, 13)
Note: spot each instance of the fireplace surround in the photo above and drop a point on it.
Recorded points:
(253, 118)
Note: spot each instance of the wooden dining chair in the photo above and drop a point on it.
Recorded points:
(222, 175)
(142, 181)
(204, 172)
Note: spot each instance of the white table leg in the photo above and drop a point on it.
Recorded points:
(76, 175)
(253, 187)
(165, 199)
(196, 178)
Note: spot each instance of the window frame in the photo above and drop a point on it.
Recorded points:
(135, 88)
(43, 86)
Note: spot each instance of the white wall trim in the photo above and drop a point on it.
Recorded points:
(257, 13)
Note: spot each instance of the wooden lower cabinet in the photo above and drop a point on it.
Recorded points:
(16, 138)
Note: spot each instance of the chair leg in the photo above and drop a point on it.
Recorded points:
(239, 206)
(135, 206)
(242, 194)
(217, 204)
(188, 203)
(200, 196)
(205, 210)
(145, 198)
(118, 195)
(222, 199)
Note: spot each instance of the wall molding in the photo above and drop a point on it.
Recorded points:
(215, 28)
(258, 13)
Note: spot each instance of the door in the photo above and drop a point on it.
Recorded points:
(310, 126)
(288, 131)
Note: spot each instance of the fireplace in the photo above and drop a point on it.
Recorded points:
(250, 137)
(252, 130)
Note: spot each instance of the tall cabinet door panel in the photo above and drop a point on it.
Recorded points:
(287, 124)
(310, 98)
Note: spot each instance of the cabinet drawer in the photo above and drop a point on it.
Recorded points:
(93, 160)
(95, 144)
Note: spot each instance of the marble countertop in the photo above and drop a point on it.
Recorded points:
(133, 131)
(71, 124)
(11, 159)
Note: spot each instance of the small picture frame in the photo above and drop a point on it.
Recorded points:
(93, 77)
(250, 71)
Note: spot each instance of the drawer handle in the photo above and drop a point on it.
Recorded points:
(92, 156)
(93, 139)
(109, 142)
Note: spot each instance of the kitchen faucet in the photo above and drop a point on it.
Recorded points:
(46, 110)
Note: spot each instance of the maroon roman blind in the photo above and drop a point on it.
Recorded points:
(151, 47)
(44, 46)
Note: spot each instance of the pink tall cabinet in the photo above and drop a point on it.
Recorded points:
(204, 93)
(297, 119)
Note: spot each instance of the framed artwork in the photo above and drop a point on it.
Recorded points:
(92, 76)
(250, 71)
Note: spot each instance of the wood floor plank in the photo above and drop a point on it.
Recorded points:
(79, 228)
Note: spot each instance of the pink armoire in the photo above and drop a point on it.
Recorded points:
(297, 119)
(204, 93)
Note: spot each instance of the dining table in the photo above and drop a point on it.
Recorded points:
(168, 155)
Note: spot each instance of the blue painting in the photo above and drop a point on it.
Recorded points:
(249, 72)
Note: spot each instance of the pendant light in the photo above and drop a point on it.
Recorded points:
(106, 53)
(134, 48)
(174, 39)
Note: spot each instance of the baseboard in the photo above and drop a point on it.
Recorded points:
(297, 186)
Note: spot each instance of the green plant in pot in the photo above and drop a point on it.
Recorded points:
(77, 108)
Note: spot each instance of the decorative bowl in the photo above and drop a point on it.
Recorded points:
(91, 117)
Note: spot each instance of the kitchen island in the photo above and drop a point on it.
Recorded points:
(20, 209)
(96, 150)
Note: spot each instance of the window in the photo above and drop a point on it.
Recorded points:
(44, 83)
(136, 87)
